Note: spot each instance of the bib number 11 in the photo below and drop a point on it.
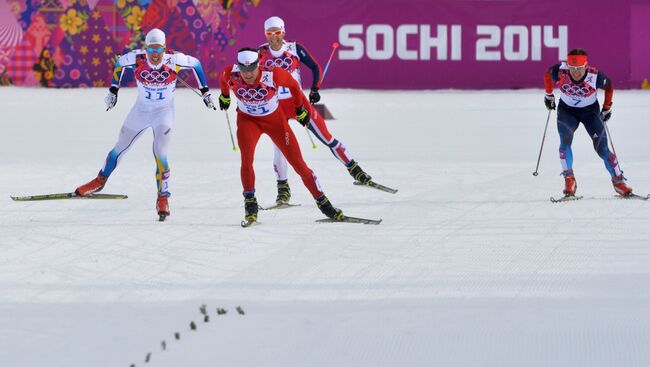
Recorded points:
(158, 94)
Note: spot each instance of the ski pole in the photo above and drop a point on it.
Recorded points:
(335, 45)
(192, 88)
(214, 108)
(611, 142)
(542, 147)
(232, 140)
(313, 145)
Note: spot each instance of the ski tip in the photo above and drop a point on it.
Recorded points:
(633, 196)
(377, 186)
(347, 219)
(565, 199)
(374, 221)
(105, 196)
(279, 206)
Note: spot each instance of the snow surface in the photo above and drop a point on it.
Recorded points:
(472, 265)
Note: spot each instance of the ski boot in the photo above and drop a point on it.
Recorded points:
(95, 185)
(620, 186)
(330, 211)
(251, 208)
(284, 193)
(162, 206)
(570, 185)
(357, 173)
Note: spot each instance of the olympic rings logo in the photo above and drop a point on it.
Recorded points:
(576, 90)
(284, 63)
(253, 94)
(154, 76)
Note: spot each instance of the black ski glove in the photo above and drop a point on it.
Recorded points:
(314, 96)
(549, 101)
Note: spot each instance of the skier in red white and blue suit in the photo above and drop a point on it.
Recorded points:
(578, 82)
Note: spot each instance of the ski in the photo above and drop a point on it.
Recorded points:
(279, 206)
(377, 186)
(162, 217)
(633, 197)
(67, 195)
(620, 197)
(249, 223)
(565, 198)
(347, 219)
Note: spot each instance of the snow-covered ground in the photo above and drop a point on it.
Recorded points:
(472, 265)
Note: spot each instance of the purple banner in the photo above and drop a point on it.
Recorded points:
(416, 44)
(410, 44)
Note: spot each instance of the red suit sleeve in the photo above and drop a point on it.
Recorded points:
(283, 78)
(609, 93)
(548, 81)
(224, 77)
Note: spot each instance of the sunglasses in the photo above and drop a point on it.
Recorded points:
(155, 50)
(277, 33)
(576, 68)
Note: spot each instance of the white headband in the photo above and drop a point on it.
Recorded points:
(246, 57)
(274, 22)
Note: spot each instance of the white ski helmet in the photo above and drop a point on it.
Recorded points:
(155, 37)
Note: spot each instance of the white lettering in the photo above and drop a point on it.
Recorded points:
(536, 43)
(509, 33)
(517, 45)
(560, 42)
(494, 39)
(375, 53)
(456, 43)
(494, 43)
(346, 39)
(427, 42)
(402, 41)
